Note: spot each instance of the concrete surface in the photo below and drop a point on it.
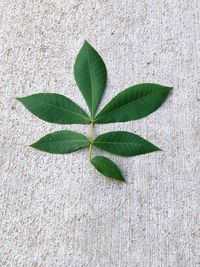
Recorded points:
(57, 210)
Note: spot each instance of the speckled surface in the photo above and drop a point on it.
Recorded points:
(57, 211)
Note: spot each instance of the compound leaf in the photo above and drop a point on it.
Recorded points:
(90, 75)
(61, 142)
(133, 103)
(124, 144)
(55, 108)
(107, 167)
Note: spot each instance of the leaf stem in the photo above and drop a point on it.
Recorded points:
(90, 146)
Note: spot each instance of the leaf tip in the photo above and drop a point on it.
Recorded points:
(86, 42)
(158, 149)
(32, 145)
(169, 89)
(122, 180)
(19, 98)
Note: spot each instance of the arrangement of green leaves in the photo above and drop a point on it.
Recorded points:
(131, 104)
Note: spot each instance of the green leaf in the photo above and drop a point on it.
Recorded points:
(133, 103)
(55, 108)
(124, 144)
(90, 75)
(61, 142)
(107, 167)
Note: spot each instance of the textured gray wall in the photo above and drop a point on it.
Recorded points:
(57, 210)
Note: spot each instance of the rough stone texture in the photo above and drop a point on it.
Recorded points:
(57, 210)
